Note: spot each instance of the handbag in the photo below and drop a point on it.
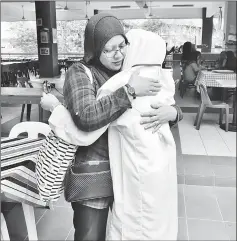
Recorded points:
(88, 180)
(53, 159)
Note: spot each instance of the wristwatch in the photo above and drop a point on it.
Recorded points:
(131, 91)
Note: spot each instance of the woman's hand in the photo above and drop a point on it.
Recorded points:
(159, 115)
(144, 86)
(49, 102)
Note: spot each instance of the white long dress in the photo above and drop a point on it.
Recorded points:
(143, 164)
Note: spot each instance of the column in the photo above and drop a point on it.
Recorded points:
(47, 38)
(207, 27)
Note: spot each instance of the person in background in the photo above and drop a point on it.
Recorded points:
(192, 67)
(187, 49)
(231, 61)
(221, 62)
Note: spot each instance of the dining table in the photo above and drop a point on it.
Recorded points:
(16, 95)
(225, 79)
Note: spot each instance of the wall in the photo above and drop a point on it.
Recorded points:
(230, 21)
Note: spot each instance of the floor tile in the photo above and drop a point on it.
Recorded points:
(225, 182)
(55, 224)
(39, 213)
(223, 160)
(182, 232)
(206, 230)
(224, 171)
(201, 203)
(188, 132)
(226, 197)
(62, 202)
(70, 236)
(197, 165)
(181, 203)
(199, 180)
(195, 147)
(212, 141)
(180, 167)
(231, 230)
(229, 138)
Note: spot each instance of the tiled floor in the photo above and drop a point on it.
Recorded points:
(206, 162)
(205, 213)
(209, 140)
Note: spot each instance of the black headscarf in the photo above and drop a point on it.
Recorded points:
(99, 30)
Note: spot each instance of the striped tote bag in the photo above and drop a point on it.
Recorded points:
(53, 159)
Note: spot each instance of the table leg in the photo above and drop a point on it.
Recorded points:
(232, 126)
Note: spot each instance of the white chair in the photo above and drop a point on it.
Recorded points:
(33, 129)
(4, 230)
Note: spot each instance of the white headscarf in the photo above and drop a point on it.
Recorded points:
(145, 48)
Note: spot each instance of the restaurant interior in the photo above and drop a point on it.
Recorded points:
(40, 40)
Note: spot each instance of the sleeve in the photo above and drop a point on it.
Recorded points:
(179, 116)
(88, 113)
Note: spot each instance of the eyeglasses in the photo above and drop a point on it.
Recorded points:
(111, 53)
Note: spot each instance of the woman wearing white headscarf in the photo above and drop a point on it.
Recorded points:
(143, 163)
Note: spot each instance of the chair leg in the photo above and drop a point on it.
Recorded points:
(198, 113)
(227, 119)
(22, 112)
(28, 112)
(221, 116)
(40, 113)
(4, 230)
(30, 221)
(202, 110)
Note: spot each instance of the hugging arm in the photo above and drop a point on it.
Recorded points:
(88, 113)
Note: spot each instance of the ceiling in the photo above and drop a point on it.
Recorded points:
(14, 11)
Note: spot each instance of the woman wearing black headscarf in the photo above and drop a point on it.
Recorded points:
(104, 51)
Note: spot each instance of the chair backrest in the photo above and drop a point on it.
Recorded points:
(32, 128)
(204, 95)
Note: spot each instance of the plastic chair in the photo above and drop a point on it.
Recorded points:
(33, 129)
(4, 229)
(206, 102)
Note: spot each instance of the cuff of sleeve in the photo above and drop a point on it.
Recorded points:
(179, 117)
(124, 100)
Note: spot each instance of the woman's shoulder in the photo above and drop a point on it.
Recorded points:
(76, 67)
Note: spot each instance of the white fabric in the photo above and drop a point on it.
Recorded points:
(143, 165)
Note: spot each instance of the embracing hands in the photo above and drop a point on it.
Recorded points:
(159, 115)
(144, 86)
(49, 102)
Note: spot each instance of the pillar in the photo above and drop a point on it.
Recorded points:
(47, 38)
(207, 27)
